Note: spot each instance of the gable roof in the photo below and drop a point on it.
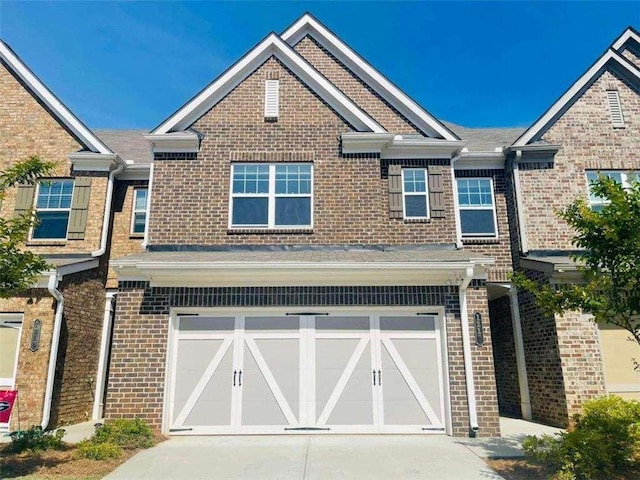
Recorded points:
(629, 37)
(568, 98)
(130, 145)
(55, 106)
(421, 118)
(272, 45)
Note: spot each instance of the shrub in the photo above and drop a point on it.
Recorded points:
(35, 440)
(604, 441)
(98, 451)
(125, 433)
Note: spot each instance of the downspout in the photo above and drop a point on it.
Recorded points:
(107, 211)
(101, 376)
(52, 286)
(466, 350)
(522, 230)
(456, 209)
(523, 381)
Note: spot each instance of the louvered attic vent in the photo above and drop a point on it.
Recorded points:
(271, 99)
(613, 99)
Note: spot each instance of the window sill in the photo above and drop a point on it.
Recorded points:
(480, 241)
(136, 236)
(293, 231)
(46, 243)
(416, 220)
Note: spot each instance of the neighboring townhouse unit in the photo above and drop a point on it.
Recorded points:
(50, 334)
(549, 368)
(307, 268)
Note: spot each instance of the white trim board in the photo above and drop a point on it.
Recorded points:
(534, 132)
(427, 123)
(270, 46)
(628, 34)
(61, 112)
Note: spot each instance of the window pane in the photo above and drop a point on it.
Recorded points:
(250, 211)
(141, 199)
(474, 192)
(293, 179)
(414, 180)
(477, 222)
(139, 221)
(293, 211)
(55, 194)
(250, 178)
(415, 205)
(51, 225)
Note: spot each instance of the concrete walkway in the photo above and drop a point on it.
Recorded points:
(73, 433)
(306, 458)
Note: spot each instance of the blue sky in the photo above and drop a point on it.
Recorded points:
(131, 64)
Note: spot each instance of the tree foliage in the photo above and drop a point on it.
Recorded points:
(19, 268)
(609, 259)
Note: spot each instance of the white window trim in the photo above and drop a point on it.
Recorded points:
(624, 178)
(416, 194)
(134, 211)
(36, 209)
(477, 236)
(11, 320)
(271, 200)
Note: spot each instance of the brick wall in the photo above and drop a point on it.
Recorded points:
(504, 356)
(353, 87)
(350, 192)
(27, 128)
(136, 379)
(588, 141)
(122, 241)
(635, 59)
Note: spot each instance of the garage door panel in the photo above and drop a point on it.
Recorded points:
(332, 357)
(205, 325)
(193, 358)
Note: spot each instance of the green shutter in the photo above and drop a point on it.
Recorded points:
(395, 191)
(24, 199)
(79, 208)
(436, 191)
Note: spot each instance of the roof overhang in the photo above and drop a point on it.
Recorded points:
(135, 171)
(174, 142)
(69, 269)
(559, 269)
(490, 160)
(94, 162)
(391, 146)
(272, 45)
(427, 123)
(46, 96)
(252, 274)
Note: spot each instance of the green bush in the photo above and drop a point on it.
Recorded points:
(126, 433)
(603, 442)
(35, 440)
(98, 451)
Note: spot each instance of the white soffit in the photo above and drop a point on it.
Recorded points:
(534, 132)
(62, 113)
(272, 45)
(426, 122)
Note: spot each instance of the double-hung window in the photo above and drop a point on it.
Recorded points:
(53, 205)
(271, 196)
(415, 197)
(625, 178)
(139, 217)
(477, 207)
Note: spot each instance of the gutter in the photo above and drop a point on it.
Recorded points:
(456, 207)
(101, 376)
(466, 349)
(53, 353)
(107, 210)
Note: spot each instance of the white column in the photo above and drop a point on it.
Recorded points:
(525, 403)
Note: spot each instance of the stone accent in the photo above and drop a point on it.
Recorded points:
(136, 380)
(504, 355)
(351, 193)
(353, 87)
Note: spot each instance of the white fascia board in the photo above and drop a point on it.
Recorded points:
(319, 274)
(93, 162)
(628, 34)
(43, 278)
(357, 142)
(480, 161)
(175, 142)
(272, 45)
(533, 132)
(51, 101)
(133, 171)
(378, 82)
(391, 146)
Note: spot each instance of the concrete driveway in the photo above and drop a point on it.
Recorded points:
(307, 457)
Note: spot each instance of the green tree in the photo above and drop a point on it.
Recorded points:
(608, 242)
(19, 268)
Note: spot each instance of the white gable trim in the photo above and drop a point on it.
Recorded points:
(272, 45)
(627, 35)
(426, 122)
(45, 95)
(571, 95)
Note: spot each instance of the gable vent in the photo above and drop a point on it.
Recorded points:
(271, 99)
(613, 99)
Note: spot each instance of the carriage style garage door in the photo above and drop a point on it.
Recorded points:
(355, 373)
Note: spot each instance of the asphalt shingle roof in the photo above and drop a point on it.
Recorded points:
(129, 144)
(486, 139)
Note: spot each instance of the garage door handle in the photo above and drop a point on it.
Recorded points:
(234, 378)
(374, 378)
(240, 378)
(379, 378)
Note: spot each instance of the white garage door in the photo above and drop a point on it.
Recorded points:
(356, 373)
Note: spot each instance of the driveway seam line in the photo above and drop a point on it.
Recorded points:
(306, 459)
